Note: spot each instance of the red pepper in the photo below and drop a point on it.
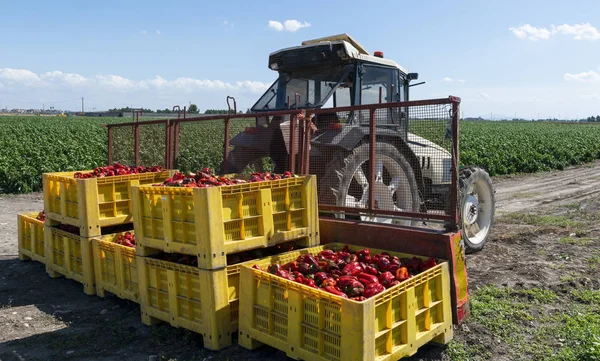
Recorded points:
(309, 282)
(344, 280)
(297, 275)
(310, 259)
(353, 288)
(327, 254)
(330, 265)
(373, 289)
(392, 284)
(371, 270)
(346, 248)
(344, 256)
(320, 277)
(335, 291)
(414, 264)
(359, 298)
(336, 273)
(328, 282)
(366, 279)
(274, 268)
(364, 255)
(353, 269)
(383, 264)
(291, 266)
(429, 263)
(285, 274)
(306, 268)
(393, 268)
(402, 274)
(386, 277)
(395, 260)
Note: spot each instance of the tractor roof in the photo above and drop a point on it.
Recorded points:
(353, 50)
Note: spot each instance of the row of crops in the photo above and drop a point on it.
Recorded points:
(30, 146)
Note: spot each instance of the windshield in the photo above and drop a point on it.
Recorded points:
(309, 88)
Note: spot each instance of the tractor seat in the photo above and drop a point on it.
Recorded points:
(323, 120)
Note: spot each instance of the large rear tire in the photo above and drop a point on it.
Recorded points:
(477, 207)
(346, 182)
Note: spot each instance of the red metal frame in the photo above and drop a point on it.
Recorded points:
(299, 143)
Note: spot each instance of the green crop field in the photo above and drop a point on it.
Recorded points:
(33, 145)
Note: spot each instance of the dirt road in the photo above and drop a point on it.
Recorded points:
(547, 227)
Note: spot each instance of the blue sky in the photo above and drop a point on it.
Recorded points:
(502, 58)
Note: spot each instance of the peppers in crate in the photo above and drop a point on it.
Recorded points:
(355, 275)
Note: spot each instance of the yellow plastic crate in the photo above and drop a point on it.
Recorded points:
(70, 255)
(203, 301)
(31, 237)
(212, 222)
(115, 268)
(310, 324)
(92, 203)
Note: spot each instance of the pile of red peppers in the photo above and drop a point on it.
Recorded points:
(116, 170)
(127, 239)
(41, 216)
(205, 178)
(353, 275)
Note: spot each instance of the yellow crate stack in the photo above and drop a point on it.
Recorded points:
(203, 301)
(208, 225)
(31, 237)
(79, 209)
(115, 268)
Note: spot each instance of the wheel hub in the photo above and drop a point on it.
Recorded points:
(471, 209)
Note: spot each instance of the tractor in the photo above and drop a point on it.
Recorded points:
(413, 174)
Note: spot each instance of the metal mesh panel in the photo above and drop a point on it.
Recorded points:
(152, 144)
(122, 145)
(200, 145)
(412, 171)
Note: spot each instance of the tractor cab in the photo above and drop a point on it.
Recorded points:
(334, 72)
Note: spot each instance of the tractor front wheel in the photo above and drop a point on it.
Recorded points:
(476, 208)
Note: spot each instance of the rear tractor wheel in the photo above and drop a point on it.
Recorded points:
(395, 188)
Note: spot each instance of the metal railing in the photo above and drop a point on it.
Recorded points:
(434, 124)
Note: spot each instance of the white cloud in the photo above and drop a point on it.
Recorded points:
(158, 32)
(530, 32)
(584, 77)
(21, 76)
(288, 25)
(577, 31)
(450, 80)
(275, 25)
(58, 77)
(484, 95)
(26, 78)
(143, 32)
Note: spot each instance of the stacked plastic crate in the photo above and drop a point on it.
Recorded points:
(31, 236)
(191, 243)
(79, 207)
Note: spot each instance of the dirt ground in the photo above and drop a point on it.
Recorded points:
(546, 227)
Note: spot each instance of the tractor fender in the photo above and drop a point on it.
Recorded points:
(259, 138)
(350, 137)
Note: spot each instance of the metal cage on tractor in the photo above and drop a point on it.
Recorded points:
(387, 167)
